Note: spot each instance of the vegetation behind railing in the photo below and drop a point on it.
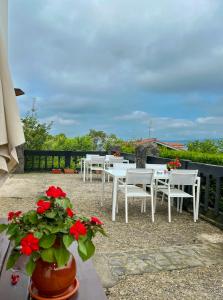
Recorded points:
(46, 160)
(208, 158)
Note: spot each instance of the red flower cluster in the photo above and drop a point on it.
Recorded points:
(14, 279)
(12, 215)
(43, 206)
(55, 192)
(174, 164)
(29, 244)
(69, 212)
(95, 220)
(78, 229)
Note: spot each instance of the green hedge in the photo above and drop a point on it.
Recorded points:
(214, 159)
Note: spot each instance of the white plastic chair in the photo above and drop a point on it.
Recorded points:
(124, 166)
(96, 164)
(180, 178)
(157, 167)
(114, 159)
(135, 177)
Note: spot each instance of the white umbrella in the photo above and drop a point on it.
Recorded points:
(11, 131)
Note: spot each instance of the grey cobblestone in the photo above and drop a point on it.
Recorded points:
(156, 260)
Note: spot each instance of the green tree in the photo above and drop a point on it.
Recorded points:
(61, 142)
(98, 137)
(207, 146)
(36, 133)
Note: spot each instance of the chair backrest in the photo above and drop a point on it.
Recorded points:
(156, 167)
(107, 157)
(89, 156)
(124, 166)
(99, 160)
(114, 159)
(139, 176)
(182, 177)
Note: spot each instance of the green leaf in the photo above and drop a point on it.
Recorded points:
(64, 202)
(3, 227)
(50, 214)
(62, 256)
(12, 260)
(82, 247)
(47, 241)
(90, 248)
(12, 228)
(67, 240)
(101, 230)
(48, 255)
(38, 234)
(33, 219)
(30, 266)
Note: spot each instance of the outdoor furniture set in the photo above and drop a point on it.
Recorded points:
(145, 183)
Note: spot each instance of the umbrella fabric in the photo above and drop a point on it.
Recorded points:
(11, 131)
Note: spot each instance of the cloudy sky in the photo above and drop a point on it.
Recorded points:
(121, 66)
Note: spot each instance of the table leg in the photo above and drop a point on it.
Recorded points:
(103, 188)
(84, 175)
(81, 166)
(114, 198)
(198, 197)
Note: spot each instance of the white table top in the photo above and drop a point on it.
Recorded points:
(120, 173)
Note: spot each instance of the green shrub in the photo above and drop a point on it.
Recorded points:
(208, 158)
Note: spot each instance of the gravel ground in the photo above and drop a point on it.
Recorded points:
(191, 284)
(20, 191)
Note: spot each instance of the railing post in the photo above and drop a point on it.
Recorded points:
(67, 160)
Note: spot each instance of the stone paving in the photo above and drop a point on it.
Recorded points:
(137, 262)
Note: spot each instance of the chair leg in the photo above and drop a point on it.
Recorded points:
(194, 205)
(152, 207)
(163, 197)
(181, 204)
(178, 205)
(90, 175)
(169, 209)
(126, 208)
(142, 206)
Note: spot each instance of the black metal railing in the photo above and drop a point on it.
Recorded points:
(211, 193)
(46, 160)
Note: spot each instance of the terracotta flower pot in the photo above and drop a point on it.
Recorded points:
(68, 171)
(56, 171)
(51, 281)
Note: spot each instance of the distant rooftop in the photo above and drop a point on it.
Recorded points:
(170, 145)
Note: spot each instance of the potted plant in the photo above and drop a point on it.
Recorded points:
(175, 164)
(68, 171)
(56, 171)
(44, 235)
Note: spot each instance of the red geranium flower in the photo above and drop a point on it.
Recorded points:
(69, 212)
(14, 279)
(12, 215)
(29, 244)
(55, 192)
(96, 221)
(78, 229)
(43, 206)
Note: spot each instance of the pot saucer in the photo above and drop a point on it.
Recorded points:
(72, 289)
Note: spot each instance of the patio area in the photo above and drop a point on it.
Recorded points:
(139, 260)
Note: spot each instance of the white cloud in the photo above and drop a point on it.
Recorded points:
(57, 120)
(135, 115)
(210, 120)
